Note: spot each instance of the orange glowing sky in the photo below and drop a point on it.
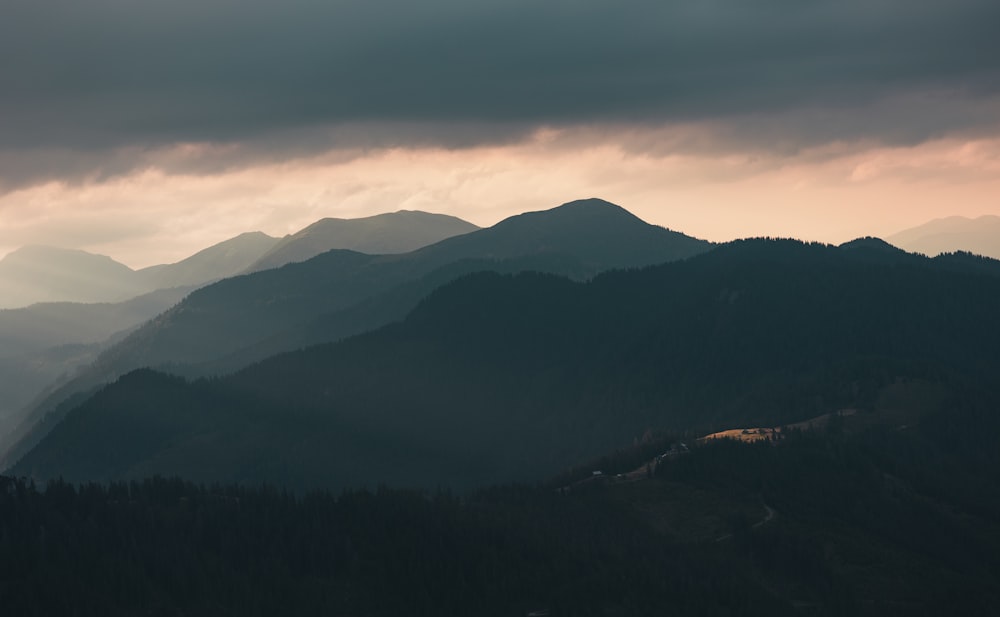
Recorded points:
(150, 216)
(147, 131)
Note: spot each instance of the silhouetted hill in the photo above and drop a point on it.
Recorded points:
(34, 274)
(47, 274)
(956, 233)
(497, 378)
(396, 232)
(871, 243)
(49, 324)
(340, 293)
(857, 520)
(223, 318)
(603, 235)
(42, 345)
(378, 310)
(218, 261)
(585, 237)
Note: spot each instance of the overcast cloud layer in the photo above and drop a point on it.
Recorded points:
(102, 87)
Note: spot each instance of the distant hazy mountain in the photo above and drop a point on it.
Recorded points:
(49, 324)
(955, 233)
(341, 293)
(25, 376)
(48, 274)
(219, 261)
(496, 378)
(42, 345)
(35, 274)
(396, 232)
(234, 313)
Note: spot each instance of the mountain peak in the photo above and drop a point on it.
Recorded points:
(871, 243)
(594, 230)
(954, 233)
(35, 252)
(593, 216)
(39, 273)
(392, 232)
(581, 209)
(592, 203)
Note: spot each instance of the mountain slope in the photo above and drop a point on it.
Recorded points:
(603, 235)
(340, 293)
(956, 233)
(42, 346)
(396, 232)
(218, 261)
(34, 274)
(49, 324)
(47, 274)
(496, 378)
(232, 314)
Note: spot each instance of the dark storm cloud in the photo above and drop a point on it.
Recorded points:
(82, 79)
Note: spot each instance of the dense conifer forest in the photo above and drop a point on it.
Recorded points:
(499, 378)
(856, 519)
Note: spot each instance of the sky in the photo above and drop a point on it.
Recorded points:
(149, 130)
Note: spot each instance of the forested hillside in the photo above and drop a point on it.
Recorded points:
(855, 520)
(496, 378)
(225, 326)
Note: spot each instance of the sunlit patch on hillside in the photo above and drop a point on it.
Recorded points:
(774, 433)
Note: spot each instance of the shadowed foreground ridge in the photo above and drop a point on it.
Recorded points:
(496, 378)
(891, 505)
(228, 325)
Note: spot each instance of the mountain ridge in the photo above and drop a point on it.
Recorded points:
(980, 235)
(227, 317)
(224, 259)
(38, 273)
(496, 378)
(388, 233)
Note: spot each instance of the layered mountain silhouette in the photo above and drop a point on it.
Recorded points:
(496, 377)
(396, 232)
(340, 293)
(980, 236)
(48, 324)
(34, 274)
(232, 314)
(216, 262)
(509, 355)
(47, 274)
(44, 344)
(589, 236)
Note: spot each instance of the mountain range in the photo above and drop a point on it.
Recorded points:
(34, 274)
(496, 378)
(339, 293)
(398, 232)
(44, 345)
(47, 274)
(540, 404)
(980, 236)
